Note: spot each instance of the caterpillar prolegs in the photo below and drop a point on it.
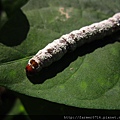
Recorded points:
(69, 42)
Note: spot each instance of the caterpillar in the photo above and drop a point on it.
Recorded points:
(69, 42)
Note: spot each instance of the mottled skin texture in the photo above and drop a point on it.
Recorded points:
(69, 42)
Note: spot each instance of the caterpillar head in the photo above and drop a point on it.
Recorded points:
(31, 67)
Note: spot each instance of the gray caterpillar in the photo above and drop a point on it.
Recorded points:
(69, 42)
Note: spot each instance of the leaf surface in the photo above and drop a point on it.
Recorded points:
(89, 77)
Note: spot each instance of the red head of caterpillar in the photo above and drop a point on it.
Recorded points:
(31, 66)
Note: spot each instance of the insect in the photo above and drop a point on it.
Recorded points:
(69, 42)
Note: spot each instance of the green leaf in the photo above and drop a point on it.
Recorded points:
(86, 78)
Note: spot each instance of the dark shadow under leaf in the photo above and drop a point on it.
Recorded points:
(44, 107)
(1, 8)
(64, 62)
(15, 29)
